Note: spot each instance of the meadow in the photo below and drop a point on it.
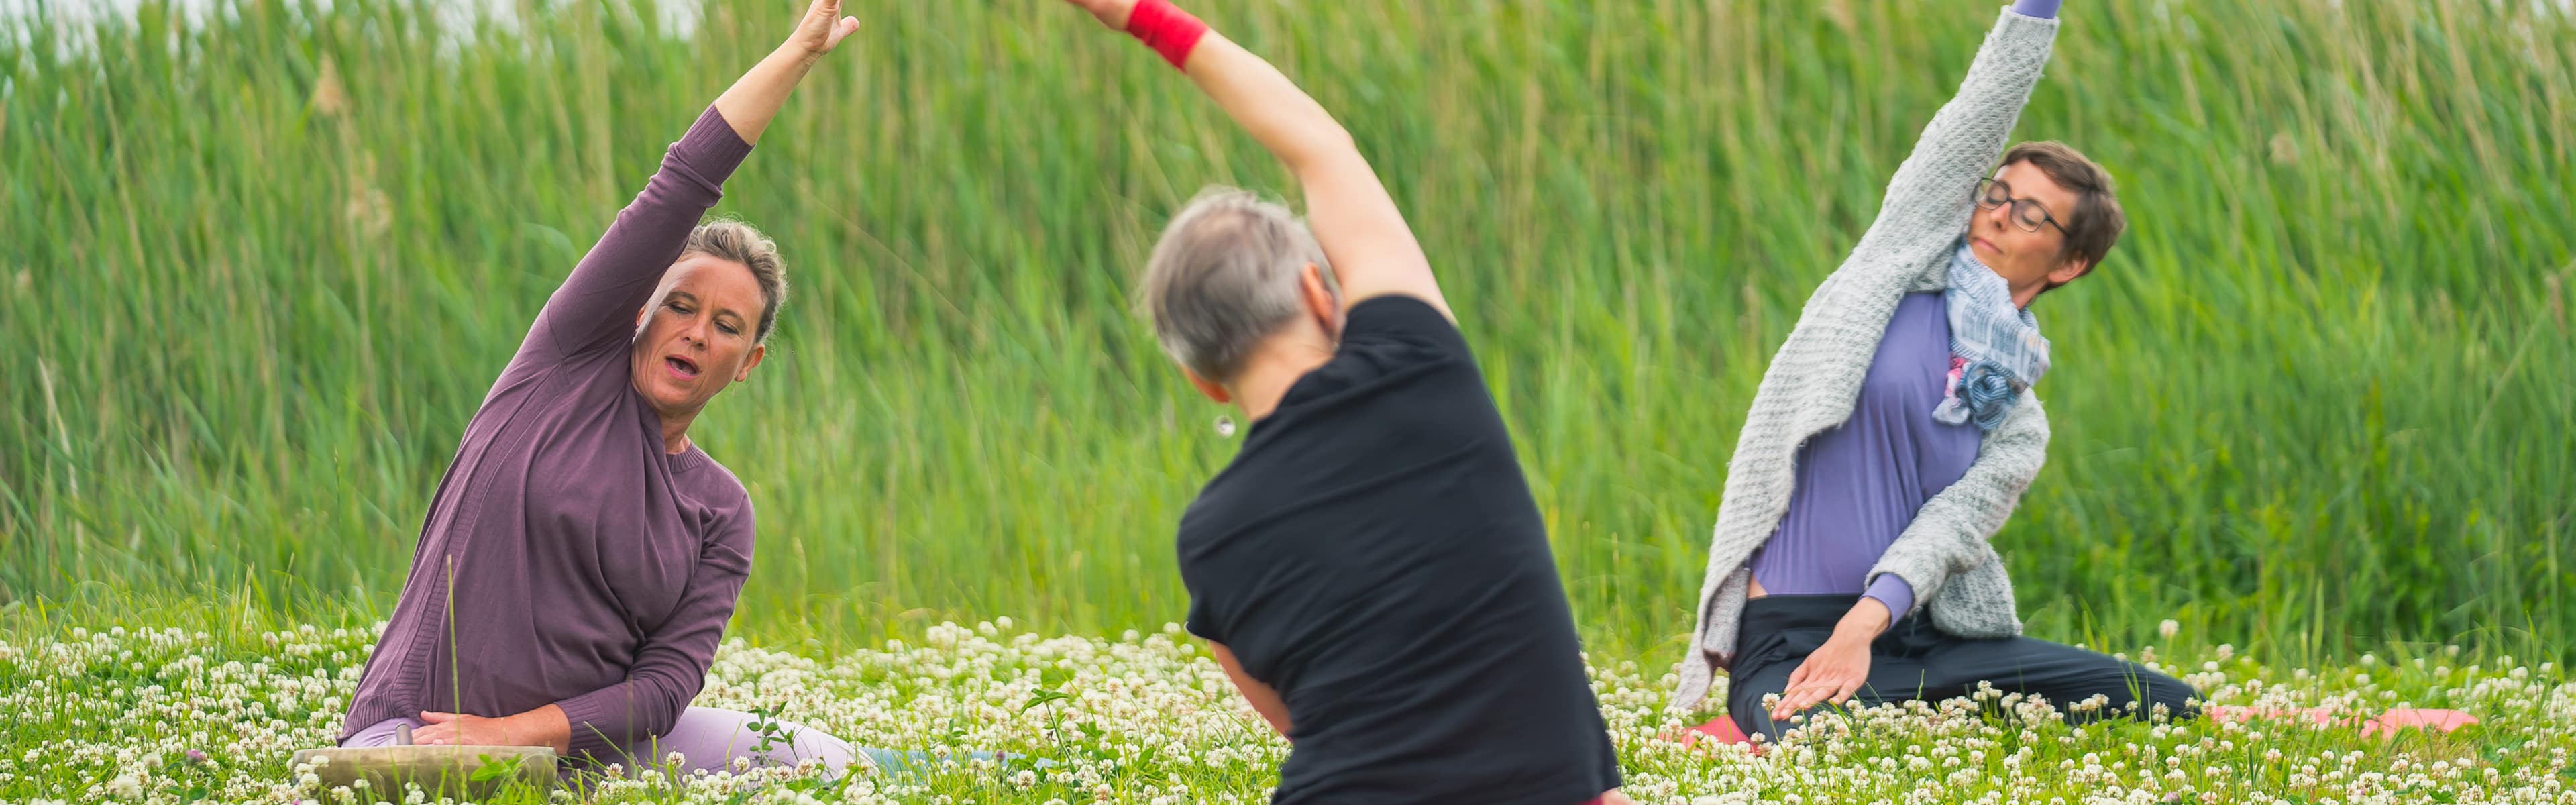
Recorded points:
(262, 258)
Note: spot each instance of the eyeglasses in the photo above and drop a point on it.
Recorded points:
(2026, 213)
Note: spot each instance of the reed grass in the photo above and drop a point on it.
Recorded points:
(259, 268)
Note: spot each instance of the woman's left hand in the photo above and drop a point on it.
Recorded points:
(463, 730)
(822, 28)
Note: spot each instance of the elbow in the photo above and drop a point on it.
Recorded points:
(664, 697)
(1330, 147)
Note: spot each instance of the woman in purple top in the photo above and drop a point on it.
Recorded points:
(1857, 570)
(581, 555)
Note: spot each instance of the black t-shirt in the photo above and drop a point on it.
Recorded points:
(1374, 555)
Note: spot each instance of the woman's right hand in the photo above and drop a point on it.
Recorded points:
(1112, 13)
(821, 29)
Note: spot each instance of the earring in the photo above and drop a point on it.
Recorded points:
(1225, 426)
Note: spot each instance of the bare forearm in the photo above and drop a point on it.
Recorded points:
(755, 99)
(1865, 620)
(1283, 118)
(544, 726)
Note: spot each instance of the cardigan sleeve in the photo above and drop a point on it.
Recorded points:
(1928, 200)
(1949, 533)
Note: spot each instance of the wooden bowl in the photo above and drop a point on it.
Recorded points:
(471, 771)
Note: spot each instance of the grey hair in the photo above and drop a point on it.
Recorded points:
(1225, 275)
(739, 242)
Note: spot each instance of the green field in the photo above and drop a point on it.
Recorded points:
(259, 268)
(2324, 392)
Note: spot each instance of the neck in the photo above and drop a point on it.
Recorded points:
(2022, 297)
(675, 432)
(1268, 374)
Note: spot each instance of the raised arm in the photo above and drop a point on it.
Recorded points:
(596, 306)
(1372, 250)
(1931, 189)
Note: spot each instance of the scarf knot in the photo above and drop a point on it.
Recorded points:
(1996, 350)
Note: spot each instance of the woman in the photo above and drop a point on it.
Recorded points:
(1894, 433)
(582, 555)
(1370, 570)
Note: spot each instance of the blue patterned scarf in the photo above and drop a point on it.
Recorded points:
(1995, 348)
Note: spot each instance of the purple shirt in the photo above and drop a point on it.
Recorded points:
(1859, 485)
(567, 559)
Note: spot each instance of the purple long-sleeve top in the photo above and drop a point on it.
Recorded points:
(2043, 9)
(1860, 484)
(567, 558)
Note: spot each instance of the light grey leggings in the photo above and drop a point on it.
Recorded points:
(710, 738)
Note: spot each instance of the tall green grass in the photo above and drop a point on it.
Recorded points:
(257, 273)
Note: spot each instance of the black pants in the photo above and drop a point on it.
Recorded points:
(1913, 661)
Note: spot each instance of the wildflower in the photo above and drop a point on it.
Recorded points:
(330, 98)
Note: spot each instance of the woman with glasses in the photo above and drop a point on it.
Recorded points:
(1895, 431)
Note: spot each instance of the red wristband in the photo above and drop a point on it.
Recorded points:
(1167, 29)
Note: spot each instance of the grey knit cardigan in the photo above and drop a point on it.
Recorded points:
(1816, 376)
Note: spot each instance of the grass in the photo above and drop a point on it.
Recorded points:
(2322, 399)
(115, 695)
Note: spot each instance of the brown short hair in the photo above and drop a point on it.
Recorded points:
(2096, 222)
(739, 242)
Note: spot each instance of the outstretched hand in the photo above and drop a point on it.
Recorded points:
(822, 28)
(1832, 674)
(1112, 13)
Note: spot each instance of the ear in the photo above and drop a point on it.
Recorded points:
(1320, 301)
(757, 352)
(2068, 270)
(1215, 391)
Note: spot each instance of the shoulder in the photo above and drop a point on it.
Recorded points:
(1401, 319)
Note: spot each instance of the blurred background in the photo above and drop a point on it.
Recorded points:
(260, 260)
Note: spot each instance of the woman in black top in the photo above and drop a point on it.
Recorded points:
(1370, 569)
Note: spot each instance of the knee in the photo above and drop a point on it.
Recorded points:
(1755, 724)
(807, 743)
(2157, 693)
(2175, 696)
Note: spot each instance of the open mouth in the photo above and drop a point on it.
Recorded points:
(680, 367)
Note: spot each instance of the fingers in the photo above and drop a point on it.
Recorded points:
(434, 735)
(1792, 695)
(840, 30)
(437, 718)
(1799, 697)
(1796, 698)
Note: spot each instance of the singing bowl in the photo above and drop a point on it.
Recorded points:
(438, 770)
